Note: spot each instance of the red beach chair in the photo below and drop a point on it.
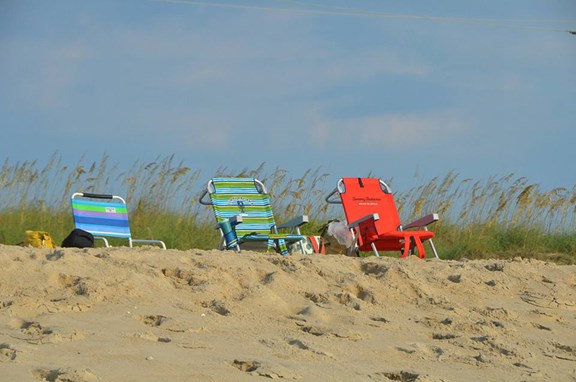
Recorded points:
(373, 219)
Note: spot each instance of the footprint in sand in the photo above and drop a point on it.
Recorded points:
(7, 353)
(153, 338)
(443, 336)
(302, 346)
(37, 334)
(152, 320)
(259, 369)
(317, 298)
(380, 319)
(348, 299)
(247, 366)
(55, 255)
(561, 351)
(363, 294)
(34, 329)
(185, 277)
(316, 330)
(455, 278)
(74, 283)
(353, 295)
(268, 278)
(496, 314)
(313, 312)
(540, 326)
(402, 376)
(491, 345)
(299, 344)
(374, 269)
(64, 375)
(287, 265)
(495, 267)
(217, 307)
(319, 331)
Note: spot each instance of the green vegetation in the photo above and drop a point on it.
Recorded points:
(500, 217)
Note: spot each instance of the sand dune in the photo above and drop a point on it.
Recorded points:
(144, 314)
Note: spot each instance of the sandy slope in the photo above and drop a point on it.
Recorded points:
(149, 315)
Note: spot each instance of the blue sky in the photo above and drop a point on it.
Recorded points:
(483, 88)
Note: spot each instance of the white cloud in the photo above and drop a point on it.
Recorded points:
(366, 63)
(206, 138)
(287, 59)
(396, 131)
(41, 73)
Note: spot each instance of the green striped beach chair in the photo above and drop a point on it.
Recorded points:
(244, 215)
(104, 216)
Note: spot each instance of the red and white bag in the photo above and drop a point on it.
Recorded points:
(310, 244)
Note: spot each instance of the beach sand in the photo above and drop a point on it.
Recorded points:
(143, 314)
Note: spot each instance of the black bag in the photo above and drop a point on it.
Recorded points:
(79, 239)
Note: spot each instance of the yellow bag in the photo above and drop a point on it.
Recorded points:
(39, 239)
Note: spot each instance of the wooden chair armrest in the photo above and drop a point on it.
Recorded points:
(294, 222)
(423, 221)
(361, 220)
(234, 220)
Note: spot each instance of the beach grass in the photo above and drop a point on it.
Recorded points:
(501, 217)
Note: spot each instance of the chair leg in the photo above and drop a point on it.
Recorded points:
(222, 244)
(354, 247)
(433, 249)
(432, 245)
(374, 249)
(352, 251)
(406, 251)
(106, 244)
(420, 247)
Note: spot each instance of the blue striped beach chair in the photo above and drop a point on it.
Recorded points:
(244, 215)
(104, 216)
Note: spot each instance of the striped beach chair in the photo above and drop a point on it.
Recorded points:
(244, 215)
(104, 216)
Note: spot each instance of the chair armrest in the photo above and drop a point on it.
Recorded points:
(202, 199)
(331, 199)
(295, 222)
(356, 223)
(234, 221)
(422, 222)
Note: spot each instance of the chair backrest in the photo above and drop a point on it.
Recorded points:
(101, 215)
(247, 197)
(364, 196)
